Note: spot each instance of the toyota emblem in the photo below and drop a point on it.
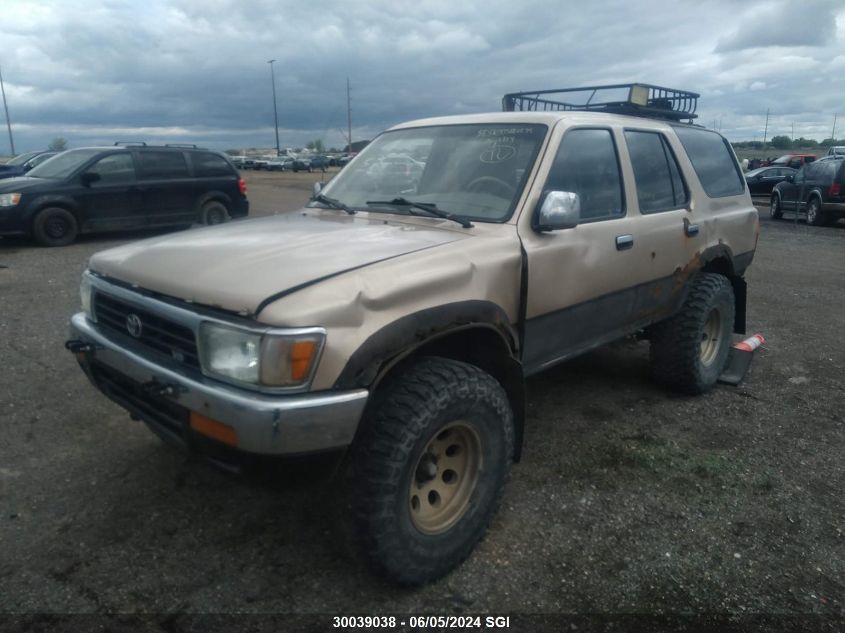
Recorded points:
(134, 325)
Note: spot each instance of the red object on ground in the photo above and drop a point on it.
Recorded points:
(751, 343)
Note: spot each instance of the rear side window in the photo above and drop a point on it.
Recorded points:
(207, 164)
(659, 183)
(587, 164)
(162, 165)
(713, 162)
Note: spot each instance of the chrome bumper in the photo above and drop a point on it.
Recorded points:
(265, 424)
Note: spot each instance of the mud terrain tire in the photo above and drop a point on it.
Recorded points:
(689, 350)
(441, 426)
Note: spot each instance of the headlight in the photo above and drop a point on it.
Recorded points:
(262, 359)
(85, 297)
(9, 199)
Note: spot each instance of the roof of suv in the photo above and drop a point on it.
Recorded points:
(545, 118)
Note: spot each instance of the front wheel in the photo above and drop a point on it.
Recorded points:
(429, 469)
(54, 226)
(689, 350)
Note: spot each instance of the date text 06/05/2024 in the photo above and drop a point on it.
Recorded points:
(421, 621)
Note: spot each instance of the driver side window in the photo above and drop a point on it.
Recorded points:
(587, 164)
(113, 169)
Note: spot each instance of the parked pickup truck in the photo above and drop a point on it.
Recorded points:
(397, 320)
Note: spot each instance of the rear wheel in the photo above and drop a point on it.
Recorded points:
(814, 212)
(54, 226)
(775, 212)
(214, 212)
(689, 350)
(429, 468)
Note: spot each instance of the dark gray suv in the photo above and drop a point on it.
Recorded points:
(121, 187)
(817, 191)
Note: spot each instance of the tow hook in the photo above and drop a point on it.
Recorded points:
(161, 389)
(78, 347)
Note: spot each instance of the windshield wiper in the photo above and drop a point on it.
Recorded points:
(334, 204)
(428, 207)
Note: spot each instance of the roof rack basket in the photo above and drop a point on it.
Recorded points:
(642, 100)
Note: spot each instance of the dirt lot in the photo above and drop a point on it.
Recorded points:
(628, 499)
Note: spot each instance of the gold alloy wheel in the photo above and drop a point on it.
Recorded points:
(444, 478)
(711, 337)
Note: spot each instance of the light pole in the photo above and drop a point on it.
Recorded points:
(275, 111)
(9, 123)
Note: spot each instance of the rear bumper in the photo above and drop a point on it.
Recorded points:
(165, 398)
(240, 208)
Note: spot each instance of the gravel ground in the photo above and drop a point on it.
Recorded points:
(628, 499)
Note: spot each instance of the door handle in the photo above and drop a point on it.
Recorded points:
(691, 230)
(624, 242)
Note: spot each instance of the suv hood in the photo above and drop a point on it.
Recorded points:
(20, 183)
(238, 266)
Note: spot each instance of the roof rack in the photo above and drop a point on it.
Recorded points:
(643, 100)
(189, 145)
(141, 143)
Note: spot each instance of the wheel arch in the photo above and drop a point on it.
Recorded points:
(474, 332)
(39, 204)
(213, 196)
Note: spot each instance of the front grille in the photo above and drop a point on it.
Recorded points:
(146, 405)
(173, 340)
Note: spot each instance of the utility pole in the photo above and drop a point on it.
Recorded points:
(9, 123)
(832, 133)
(766, 130)
(275, 111)
(349, 115)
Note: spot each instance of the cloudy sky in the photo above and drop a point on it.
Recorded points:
(196, 70)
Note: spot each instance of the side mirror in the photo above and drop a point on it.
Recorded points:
(89, 177)
(559, 210)
(318, 187)
(789, 177)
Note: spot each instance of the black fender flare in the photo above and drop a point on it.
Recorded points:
(387, 348)
(403, 336)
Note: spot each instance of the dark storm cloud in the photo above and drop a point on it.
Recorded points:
(196, 71)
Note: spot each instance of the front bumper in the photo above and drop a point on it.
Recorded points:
(165, 397)
(11, 221)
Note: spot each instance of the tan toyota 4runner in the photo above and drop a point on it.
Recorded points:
(398, 314)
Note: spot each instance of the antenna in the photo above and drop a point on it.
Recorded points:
(349, 114)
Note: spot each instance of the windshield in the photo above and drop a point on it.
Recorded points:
(64, 164)
(20, 159)
(473, 171)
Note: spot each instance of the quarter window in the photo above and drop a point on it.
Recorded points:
(587, 164)
(659, 183)
(207, 164)
(162, 165)
(713, 161)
